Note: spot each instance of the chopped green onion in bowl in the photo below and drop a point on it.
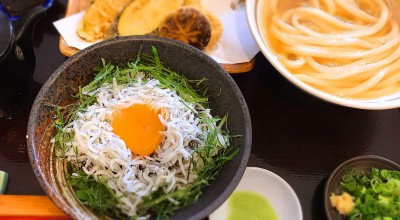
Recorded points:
(375, 194)
(365, 187)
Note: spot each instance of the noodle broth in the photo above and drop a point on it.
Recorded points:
(349, 49)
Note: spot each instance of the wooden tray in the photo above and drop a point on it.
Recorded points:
(76, 6)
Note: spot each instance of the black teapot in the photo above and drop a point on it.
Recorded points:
(17, 60)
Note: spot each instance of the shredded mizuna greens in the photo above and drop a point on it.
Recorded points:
(95, 193)
(376, 193)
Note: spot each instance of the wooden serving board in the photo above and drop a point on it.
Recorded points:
(76, 6)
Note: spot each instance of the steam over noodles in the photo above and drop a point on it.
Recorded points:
(348, 48)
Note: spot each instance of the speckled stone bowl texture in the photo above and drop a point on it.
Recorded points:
(223, 93)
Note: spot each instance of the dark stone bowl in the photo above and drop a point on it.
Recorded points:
(223, 93)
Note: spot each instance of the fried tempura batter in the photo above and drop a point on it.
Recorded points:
(99, 20)
(188, 21)
(144, 16)
(188, 25)
(216, 25)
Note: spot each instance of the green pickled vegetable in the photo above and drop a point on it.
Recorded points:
(3, 181)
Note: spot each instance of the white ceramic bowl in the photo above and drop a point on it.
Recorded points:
(277, 191)
(254, 13)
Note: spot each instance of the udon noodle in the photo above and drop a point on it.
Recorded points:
(348, 48)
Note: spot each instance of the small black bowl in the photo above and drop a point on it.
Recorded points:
(363, 163)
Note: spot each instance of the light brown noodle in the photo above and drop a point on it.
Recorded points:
(349, 48)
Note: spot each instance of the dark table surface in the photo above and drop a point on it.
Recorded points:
(298, 137)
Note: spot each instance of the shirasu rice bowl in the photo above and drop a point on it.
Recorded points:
(191, 141)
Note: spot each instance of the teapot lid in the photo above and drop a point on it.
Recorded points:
(5, 35)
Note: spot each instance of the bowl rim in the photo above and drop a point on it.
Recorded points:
(252, 11)
(338, 171)
(246, 148)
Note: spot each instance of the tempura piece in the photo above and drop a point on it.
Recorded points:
(188, 25)
(145, 16)
(99, 20)
(216, 25)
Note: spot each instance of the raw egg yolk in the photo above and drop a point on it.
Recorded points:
(140, 128)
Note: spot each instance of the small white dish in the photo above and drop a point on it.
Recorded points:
(277, 191)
